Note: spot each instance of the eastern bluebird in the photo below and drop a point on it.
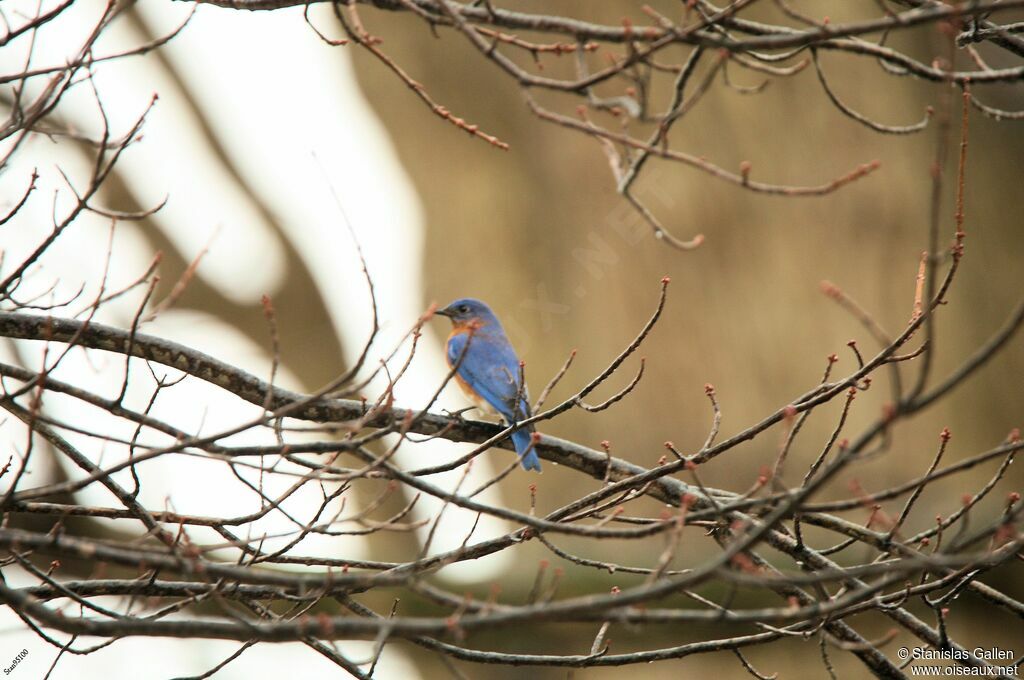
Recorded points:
(489, 370)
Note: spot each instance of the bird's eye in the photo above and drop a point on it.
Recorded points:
(464, 309)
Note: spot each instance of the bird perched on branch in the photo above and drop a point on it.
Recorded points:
(488, 370)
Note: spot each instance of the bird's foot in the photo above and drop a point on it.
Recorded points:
(457, 415)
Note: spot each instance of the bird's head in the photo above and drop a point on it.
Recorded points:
(467, 311)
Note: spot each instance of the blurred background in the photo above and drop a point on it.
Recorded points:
(258, 122)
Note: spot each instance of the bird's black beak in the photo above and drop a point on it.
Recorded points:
(445, 312)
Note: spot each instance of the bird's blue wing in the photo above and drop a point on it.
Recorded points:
(490, 367)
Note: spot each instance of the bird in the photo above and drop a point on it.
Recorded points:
(488, 370)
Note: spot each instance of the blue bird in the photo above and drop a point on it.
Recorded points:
(489, 369)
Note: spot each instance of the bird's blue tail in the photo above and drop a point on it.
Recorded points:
(522, 440)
